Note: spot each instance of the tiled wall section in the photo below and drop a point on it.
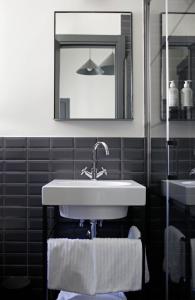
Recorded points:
(182, 160)
(26, 164)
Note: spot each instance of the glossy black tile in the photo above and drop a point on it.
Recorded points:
(35, 201)
(17, 142)
(16, 235)
(85, 142)
(1, 177)
(35, 259)
(62, 175)
(38, 154)
(39, 166)
(83, 154)
(14, 177)
(1, 154)
(15, 270)
(14, 224)
(16, 259)
(35, 224)
(133, 143)
(15, 200)
(184, 143)
(15, 212)
(62, 142)
(38, 142)
(157, 143)
(38, 178)
(1, 189)
(35, 189)
(62, 154)
(15, 247)
(13, 154)
(35, 236)
(131, 154)
(139, 177)
(62, 166)
(1, 142)
(16, 189)
(15, 166)
(133, 166)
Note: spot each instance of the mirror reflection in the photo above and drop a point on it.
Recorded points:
(93, 94)
(93, 66)
(181, 71)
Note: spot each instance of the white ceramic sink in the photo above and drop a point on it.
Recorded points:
(180, 190)
(94, 199)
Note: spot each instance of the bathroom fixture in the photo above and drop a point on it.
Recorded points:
(180, 190)
(96, 97)
(108, 65)
(94, 199)
(192, 172)
(94, 174)
(89, 67)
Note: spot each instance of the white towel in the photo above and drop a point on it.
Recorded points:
(176, 256)
(192, 243)
(71, 265)
(134, 233)
(118, 265)
(94, 266)
(111, 296)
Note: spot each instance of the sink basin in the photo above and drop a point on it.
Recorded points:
(181, 190)
(93, 199)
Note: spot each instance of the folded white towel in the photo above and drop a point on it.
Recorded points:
(71, 265)
(176, 254)
(94, 266)
(134, 233)
(118, 264)
(192, 243)
(111, 296)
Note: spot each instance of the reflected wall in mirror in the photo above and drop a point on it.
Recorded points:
(93, 66)
(181, 64)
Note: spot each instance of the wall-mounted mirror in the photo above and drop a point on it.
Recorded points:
(181, 63)
(93, 66)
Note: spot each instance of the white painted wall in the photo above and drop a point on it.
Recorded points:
(27, 69)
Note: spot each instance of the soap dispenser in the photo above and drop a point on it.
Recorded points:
(173, 100)
(173, 95)
(187, 100)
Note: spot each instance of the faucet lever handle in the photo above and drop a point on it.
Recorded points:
(104, 171)
(83, 170)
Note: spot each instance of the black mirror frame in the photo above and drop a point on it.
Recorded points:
(123, 51)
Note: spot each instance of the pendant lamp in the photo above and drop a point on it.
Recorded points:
(90, 68)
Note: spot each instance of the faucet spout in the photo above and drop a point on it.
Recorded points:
(94, 168)
(94, 174)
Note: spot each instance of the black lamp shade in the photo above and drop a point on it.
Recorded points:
(90, 68)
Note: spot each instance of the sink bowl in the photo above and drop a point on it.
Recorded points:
(93, 199)
(180, 190)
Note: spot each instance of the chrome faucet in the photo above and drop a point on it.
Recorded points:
(94, 174)
(192, 172)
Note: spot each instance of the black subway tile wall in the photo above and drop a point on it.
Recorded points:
(26, 164)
